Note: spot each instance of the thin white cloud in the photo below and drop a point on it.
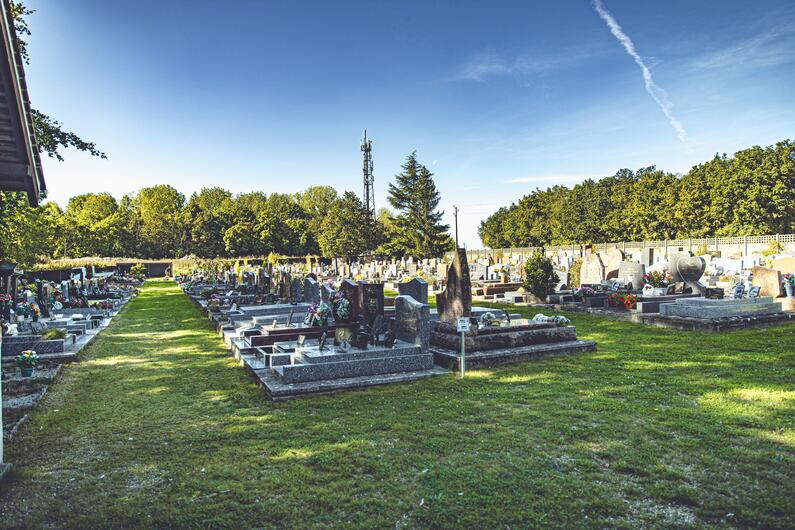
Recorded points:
(771, 47)
(657, 93)
(487, 65)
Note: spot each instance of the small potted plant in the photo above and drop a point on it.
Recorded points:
(789, 285)
(27, 361)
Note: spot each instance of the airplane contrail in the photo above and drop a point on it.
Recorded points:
(657, 93)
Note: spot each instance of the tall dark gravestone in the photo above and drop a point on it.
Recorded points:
(296, 294)
(350, 290)
(311, 291)
(417, 288)
(456, 299)
(371, 300)
(327, 293)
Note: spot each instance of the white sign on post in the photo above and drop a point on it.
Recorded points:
(463, 328)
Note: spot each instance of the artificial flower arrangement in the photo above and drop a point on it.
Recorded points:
(657, 279)
(27, 359)
(789, 284)
(5, 301)
(626, 300)
(104, 305)
(583, 292)
(341, 306)
(489, 319)
(28, 309)
(317, 314)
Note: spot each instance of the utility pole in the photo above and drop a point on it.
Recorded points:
(455, 213)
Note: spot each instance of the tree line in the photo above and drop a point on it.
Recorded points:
(160, 222)
(750, 193)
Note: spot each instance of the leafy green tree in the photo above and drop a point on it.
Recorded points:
(161, 232)
(207, 216)
(28, 235)
(347, 229)
(316, 201)
(284, 226)
(492, 229)
(750, 193)
(242, 239)
(92, 226)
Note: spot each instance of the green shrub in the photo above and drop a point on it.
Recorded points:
(138, 270)
(540, 277)
(773, 248)
(702, 249)
(53, 334)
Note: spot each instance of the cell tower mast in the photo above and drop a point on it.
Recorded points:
(367, 169)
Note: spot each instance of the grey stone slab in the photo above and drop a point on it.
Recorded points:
(451, 359)
(313, 355)
(703, 308)
(278, 390)
(412, 321)
(302, 373)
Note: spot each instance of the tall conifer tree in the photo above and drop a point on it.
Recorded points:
(419, 229)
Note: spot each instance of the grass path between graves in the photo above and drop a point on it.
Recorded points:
(156, 427)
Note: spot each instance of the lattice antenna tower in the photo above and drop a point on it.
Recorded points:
(367, 170)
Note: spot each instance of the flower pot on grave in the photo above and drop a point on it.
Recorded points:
(790, 290)
(27, 372)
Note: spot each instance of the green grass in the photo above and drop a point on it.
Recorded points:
(156, 427)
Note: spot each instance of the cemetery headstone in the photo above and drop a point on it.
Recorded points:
(592, 271)
(456, 299)
(327, 293)
(350, 290)
(689, 269)
(647, 257)
(614, 259)
(769, 281)
(371, 300)
(784, 265)
(311, 291)
(295, 291)
(412, 321)
(631, 272)
(417, 288)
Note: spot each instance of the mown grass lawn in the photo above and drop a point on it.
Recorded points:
(156, 427)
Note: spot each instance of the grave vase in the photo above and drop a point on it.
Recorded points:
(27, 372)
(790, 290)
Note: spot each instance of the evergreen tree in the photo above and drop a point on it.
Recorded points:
(418, 227)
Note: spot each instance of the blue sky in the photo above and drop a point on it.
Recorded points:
(496, 97)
